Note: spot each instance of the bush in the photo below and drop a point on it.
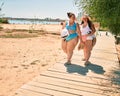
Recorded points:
(4, 20)
(107, 12)
(117, 39)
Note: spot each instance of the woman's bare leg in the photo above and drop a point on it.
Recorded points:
(88, 49)
(70, 47)
(93, 42)
(64, 46)
(85, 52)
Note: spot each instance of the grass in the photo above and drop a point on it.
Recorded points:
(3, 21)
(103, 29)
(36, 31)
(23, 33)
(30, 31)
(1, 28)
(20, 30)
(55, 33)
(9, 35)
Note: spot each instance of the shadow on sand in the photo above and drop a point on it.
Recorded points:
(74, 68)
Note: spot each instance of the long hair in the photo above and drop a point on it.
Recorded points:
(90, 24)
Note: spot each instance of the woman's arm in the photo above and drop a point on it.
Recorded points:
(79, 32)
(63, 25)
(93, 30)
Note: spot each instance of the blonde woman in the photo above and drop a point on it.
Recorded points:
(87, 30)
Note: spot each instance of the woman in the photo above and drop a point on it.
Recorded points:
(87, 30)
(69, 42)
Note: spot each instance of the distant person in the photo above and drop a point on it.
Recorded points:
(71, 34)
(106, 33)
(100, 33)
(88, 36)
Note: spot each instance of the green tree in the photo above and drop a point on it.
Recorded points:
(107, 12)
(2, 20)
(1, 6)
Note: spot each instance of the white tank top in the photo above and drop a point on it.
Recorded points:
(85, 30)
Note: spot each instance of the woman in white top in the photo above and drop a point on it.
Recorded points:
(88, 37)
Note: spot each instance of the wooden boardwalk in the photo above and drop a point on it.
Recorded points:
(76, 79)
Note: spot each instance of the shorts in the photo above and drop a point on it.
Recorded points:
(84, 37)
(90, 37)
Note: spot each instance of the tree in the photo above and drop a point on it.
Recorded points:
(2, 20)
(107, 12)
(1, 5)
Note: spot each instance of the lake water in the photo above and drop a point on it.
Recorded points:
(31, 22)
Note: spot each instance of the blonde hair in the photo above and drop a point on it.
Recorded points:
(90, 24)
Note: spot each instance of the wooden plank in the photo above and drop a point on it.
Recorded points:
(71, 78)
(53, 92)
(79, 66)
(72, 85)
(98, 77)
(63, 89)
(86, 77)
(25, 92)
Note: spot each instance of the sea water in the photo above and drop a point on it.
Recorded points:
(32, 22)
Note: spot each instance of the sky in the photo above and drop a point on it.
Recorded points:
(38, 8)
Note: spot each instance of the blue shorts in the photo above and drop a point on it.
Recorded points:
(71, 36)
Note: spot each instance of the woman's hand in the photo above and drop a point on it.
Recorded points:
(82, 41)
(81, 46)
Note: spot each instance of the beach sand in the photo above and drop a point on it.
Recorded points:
(49, 28)
(21, 59)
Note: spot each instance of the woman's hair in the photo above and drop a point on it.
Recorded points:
(82, 22)
(61, 23)
(69, 14)
(90, 24)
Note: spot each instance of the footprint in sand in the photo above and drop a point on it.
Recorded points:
(35, 62)
(2, 66)
(1, 78)
(38, 62)
(25, 66)
(15, 66)
(44, 64)
(18, 51)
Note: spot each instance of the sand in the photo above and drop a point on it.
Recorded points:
(21, 59)
(50, 28)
